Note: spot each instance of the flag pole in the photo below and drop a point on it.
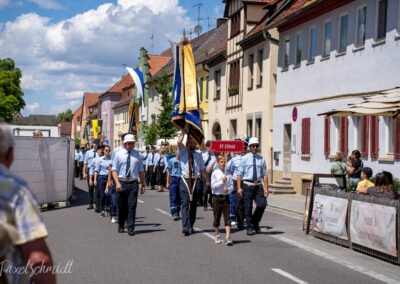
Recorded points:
(187, 126)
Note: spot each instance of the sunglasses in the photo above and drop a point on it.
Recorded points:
(254, 145)
(106, 150)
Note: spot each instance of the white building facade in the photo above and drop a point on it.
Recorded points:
(331, 55)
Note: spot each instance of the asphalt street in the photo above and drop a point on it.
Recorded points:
(159, 253)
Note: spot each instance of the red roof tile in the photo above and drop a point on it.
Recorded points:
(156, 62)
(124, 82)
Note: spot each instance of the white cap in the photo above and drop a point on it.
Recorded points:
(253, 140)
(129, 138)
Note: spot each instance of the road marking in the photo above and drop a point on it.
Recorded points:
(163, 212)
(140, 201)
(204, 233)
(288, 275)
(340, 261)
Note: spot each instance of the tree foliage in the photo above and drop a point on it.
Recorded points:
(11, 100)
(163, 86)
(151, 134)
(65, 116)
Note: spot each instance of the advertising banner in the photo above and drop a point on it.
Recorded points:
(373, 226)
(329, 215)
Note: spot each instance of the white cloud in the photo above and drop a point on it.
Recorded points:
(85, 53)
(31, 108)
(47, 4)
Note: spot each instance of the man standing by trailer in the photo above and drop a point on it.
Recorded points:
(252, 184)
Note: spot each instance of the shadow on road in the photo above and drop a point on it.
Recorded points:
(147, 231)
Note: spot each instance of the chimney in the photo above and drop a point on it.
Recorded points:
(221, 21)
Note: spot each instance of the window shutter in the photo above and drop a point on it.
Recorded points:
(396, 137)
(327, 135)
(305, 136)
(374, 136)
(364, 136)
(344, 136)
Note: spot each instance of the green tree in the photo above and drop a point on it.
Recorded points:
(11, 100)
(65, 116)
(151, 134)
(165, 129)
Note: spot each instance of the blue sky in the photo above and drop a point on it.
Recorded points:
(67, 47)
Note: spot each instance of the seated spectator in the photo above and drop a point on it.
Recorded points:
(366, 174)
(338, 167)
(382, 187)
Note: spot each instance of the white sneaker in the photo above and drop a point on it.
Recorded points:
(218, 239)
(113, 220)
(233, 223)
(228, 242)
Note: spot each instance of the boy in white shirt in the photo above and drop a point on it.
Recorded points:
(221, 186)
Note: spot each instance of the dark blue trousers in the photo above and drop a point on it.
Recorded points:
(253, 193)
(127, 204)
(101, 185)
(174, 196)
(188, 208)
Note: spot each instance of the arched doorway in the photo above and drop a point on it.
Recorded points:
(216, 131)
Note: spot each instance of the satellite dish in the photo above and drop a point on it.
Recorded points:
(198, 29)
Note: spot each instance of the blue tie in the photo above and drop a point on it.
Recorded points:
(128, 165)
(192, 161)
(254, 168)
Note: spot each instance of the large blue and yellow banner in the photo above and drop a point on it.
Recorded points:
(184, 91)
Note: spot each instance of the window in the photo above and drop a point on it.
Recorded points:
(396, 138)
(374, 136)
(361, 22)
(200, 86)
(286, 54)
(235, 24)
(260, 56)
(234, 78)
(382, 20)
(251, 71)
(305, 136)
(343, 33)
(313, 44)
(389, 138)
(299, 48)
(327, 135)
(250, 126)
(217, 75)
(327, 38)
(258, 129)
(364, 136)
(207, 86)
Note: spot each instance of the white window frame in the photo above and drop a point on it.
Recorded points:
(250, 78)
(311, 42)
(377, 23)
(326, 53)
(340, 33)
(299, 35)
(335, 135)
(388, 146)
(286, 54)
(357, 26)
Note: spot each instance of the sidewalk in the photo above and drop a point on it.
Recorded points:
(289, 202)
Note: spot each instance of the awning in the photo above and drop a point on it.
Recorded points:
(385, 103)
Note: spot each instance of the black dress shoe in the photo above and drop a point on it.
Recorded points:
(256, 229)
(250, 232)
(131, 232)
(90, 207)
(120, 229)
(185, 232)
